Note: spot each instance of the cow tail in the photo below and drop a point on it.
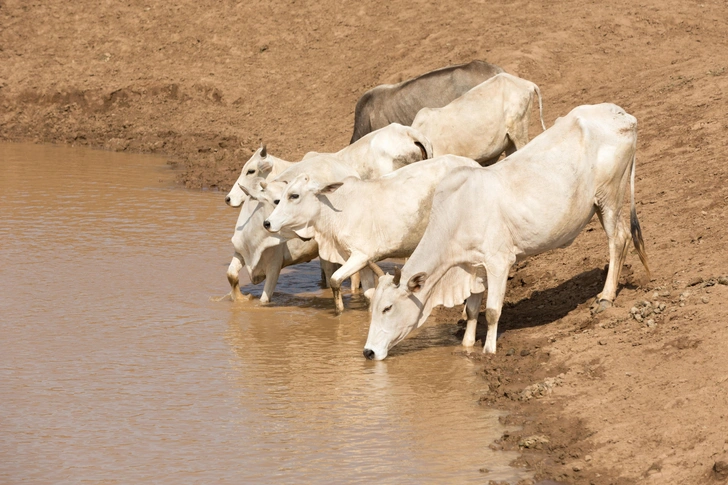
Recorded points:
(540, 106)
(635, 229)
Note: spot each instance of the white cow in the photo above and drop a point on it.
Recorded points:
(260, 166)
(490, 118)
(378, 153)
(358, 222)
(485, 219)
(264, 254)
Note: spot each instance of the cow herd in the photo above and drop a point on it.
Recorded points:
(435, 192)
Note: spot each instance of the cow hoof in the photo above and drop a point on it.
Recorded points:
(601, 305)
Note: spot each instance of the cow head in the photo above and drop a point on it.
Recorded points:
(298, 206)
(396, 311)
(255, 169)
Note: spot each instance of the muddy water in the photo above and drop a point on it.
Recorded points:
(116, 367)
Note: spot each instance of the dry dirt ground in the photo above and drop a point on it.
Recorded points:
(605, 399)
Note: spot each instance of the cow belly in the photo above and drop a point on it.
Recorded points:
(553, 232)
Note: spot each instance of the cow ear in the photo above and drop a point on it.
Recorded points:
(416, 282)
(265, 165)
(263, 151)
(329, 189)
(423, 152)
(250, 195)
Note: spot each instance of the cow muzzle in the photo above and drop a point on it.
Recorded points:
(369, 354)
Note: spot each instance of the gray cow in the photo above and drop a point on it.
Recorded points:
(399, 103)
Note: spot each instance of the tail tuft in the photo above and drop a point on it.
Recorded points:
(635, 229)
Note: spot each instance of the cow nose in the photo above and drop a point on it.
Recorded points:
(227, 199)
(369, 354)
(266, 224)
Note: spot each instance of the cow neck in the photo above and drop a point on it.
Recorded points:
(326, 229)
(429, 262)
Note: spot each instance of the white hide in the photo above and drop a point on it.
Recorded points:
(260, 166)
(484, 219)
(491, 118)
(263, 254)
(363, 221)
(376, 154)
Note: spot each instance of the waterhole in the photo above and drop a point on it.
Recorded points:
(117, 367)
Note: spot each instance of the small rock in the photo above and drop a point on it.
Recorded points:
(587, 458)
(511, 352)
(705, 299)
(720, 469)
(650, 323)
(638, 317)
(664, 294)
(723, 280)
(525, 352)
(695, 281)
(684, 295)
(662, 306)
(540, 389)
(634, 310)
(576, 468)
(655, 294)
(533, 441)
(484, 470)
(602, 342)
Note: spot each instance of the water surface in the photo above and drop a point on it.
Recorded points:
(116, 366)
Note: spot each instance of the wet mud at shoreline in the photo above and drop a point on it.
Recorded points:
(643, 397)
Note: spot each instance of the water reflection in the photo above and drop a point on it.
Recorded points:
(116, 366)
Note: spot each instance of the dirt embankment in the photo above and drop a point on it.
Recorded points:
(606, 399)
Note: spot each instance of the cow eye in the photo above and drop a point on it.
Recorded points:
(293, 196)
(275, 202)
(251, 171)
(387, 309)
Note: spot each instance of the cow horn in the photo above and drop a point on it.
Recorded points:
(263, 184)
(397, 276)
(263, 151)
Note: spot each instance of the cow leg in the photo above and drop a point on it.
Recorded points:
(618, 236)
(327, 269)
(497, 281)
(368, 280)
(517, 136)
(272, 272)
(472, 308)
(233, 277)
(356, 262)
(355, 283)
